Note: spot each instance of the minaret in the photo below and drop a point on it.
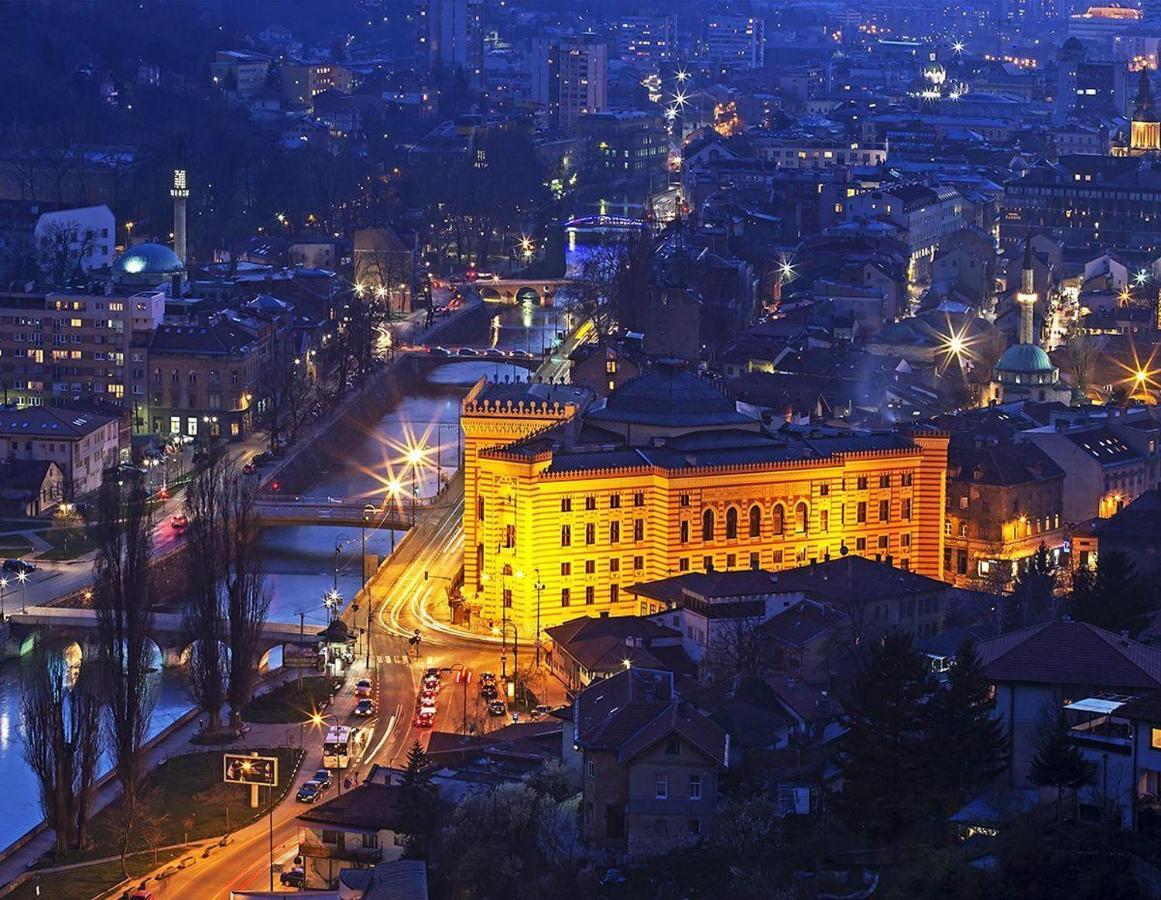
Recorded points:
(180, 193)
(1026, 296)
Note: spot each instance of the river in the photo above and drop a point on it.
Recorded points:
(302, 563)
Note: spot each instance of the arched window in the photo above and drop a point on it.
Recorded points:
(755, 521)
(707, 525)
(731, 524)
(801, 513)
(779, 515)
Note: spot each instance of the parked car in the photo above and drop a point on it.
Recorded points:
(496, 708)
(18, 566)
(309, 792)
(539, 712)
(363, 687)
(521, 354)
(323, 777)
(142, 894)
(295, 878)
(365, 707)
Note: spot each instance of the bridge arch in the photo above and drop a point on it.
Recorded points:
(528, 295)
(187, 654)
(490, 293)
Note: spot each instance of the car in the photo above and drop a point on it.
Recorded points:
(428, 692)
(521, 354)
(179, 522)
(249, 469)
(487, 678)
(539, 712)
(431, 684)
(488, 691)
(496, 708)
(432, 672)
(323, 777)
(142, 894)
(466, 351)
(363, 687)
(261, 459)
(438, 351)
(494, 353)
(309, 792)
(19, 566)
(365, 707)
(295, 878)
(424, 719)
(426, 704)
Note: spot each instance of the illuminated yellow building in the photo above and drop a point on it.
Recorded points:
(569, 500)
(1145, 126)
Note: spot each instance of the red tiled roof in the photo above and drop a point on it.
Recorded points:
(1071, 653)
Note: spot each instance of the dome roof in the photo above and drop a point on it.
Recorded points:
(146, 263)
(669, 395)
(1025, 359)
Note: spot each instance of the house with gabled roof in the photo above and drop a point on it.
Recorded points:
(649, 765)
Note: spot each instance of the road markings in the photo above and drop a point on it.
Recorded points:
(386, 734)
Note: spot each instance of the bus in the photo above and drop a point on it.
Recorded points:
(341, 743)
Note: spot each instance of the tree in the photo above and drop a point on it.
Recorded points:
(597, 289)
(738, 649)
(1059, 763)
(886, 758)
(1115, 597)
(749, 832)
(1033, 598)
(62, 248)
(204, 624)
(969, 742)
(287, 393)
(61, 710)
(122, 599)
(417, 804)
(1081, 353)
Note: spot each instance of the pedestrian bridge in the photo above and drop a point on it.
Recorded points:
(424, 359)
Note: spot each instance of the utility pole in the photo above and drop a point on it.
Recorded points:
(271, 789)
(539, 587)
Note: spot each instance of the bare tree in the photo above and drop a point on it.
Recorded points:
(597, 290)
(737, 649)
(247, 598)
(122, 599)
(61, 709)
(287, 391)
(206, 668)
(1080, 357)
(62, 248)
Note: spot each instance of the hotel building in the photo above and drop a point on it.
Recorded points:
(569, 500)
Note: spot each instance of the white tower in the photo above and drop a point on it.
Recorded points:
(180, 193)
(1026, 296)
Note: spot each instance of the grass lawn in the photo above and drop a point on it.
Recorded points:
(68, 543)
(86, 882)
(286, 704)
(14, 545)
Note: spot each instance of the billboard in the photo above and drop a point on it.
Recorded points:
(238, 768)
(300, 656)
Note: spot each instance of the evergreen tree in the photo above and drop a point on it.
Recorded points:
(888, 783)
(1059, 763)
(1115, 597)
(1033, 597)
(970, 742)
(417, 803)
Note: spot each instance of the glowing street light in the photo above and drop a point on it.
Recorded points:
(1141, 277)
(957, 47)
(681, 75)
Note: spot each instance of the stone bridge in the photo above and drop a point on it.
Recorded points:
(274, 509)
(167, 632)
(421, 362)
(512, 291)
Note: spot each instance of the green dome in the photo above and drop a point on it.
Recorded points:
(1025, 359)
(146, 264)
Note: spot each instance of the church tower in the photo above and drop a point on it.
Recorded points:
(1145, 134)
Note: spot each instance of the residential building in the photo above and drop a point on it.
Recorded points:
(1134, 532)
(203, 379)
(83, 444)
(626, 144)
(403, 878)
(649, 40)
(386, 266)
(734, 42)
(1104, 473)
(1003, 501)
(32, 487)
(667, 476)
(450, 36)
(74, 241)
(586, 649)
(925, 215)
(360, 828)
(241, 72)
(649, 765)
(1037, 671)
(302, 82)
(578, 74)
(601, 368)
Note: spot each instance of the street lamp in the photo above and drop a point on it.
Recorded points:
(3, 586)
(539, 587)
(22, 577)
(515, 654)
(368, 511)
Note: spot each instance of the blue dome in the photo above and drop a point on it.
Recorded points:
(146, 264)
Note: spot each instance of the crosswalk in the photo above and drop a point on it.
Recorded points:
(387, 659)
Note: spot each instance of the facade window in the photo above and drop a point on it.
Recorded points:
(695, 826)
(614, 565)
(707, 563)
(824, 490)
(882, 542)
(614, 532)
(684, 531)
(884, 510)
(684, 500)
(861, 511)
(480, 508)
(731, 560)
(614, 501)
(590, 532)
(731, 524)
(884, 481)
(566, 504)
(590, 566)
(963, 502)
(510, 536)
(590, 595)
(905, 510)
(565, 568)
(694, 787)
(755, 560)
(638, 529)
(778, 518)
(638, 563)
(590, 502)
(566, 535)
(824, 520)
(1155, 738)
(905, 479)
(776, 557)
(507, 598)
(614, 593)
(707, 525)
(755, 521)
(564, 597)
(801, 515)
(661, 787)
(861, 482)
(672, 746)
(861, 544)
(683, 564)
(639, 498)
